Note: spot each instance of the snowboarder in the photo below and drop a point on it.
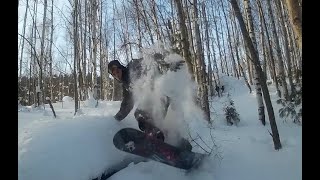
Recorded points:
(127, 75)
(222, 89)
(217, 89)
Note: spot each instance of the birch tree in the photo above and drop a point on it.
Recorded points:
(278, 52)
(210, 72)
(269, 51)
(42, 53)
(286, 48)
(184, 37)
(23, 34)
(76, 54)
(94, 8)
(201, 73)
(295, 13)
(257, 79)
(51, 54)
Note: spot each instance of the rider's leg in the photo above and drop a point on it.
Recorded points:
(145, 124)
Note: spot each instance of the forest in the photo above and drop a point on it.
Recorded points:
(64, 46)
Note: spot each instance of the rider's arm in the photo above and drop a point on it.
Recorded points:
(126, 105)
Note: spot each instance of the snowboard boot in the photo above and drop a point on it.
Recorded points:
(155, 133)
(149, 129)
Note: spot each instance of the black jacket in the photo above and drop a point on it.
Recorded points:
(129, 74)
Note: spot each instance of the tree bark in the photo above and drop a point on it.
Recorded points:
(269, 51)
(235, 73)
(102, 56)
(237, 45)
(51, 55)
(278, 51)
(203, 88)
(224, 60)
(295, 14)
(210, 72)
(217, 36)
(23, 33)
(76, 55)
(286, 48)
(184, 37)
(94, 7)
(40, 81)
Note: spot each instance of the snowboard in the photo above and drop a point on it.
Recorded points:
(138, 143)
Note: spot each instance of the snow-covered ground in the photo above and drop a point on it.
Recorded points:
(80, 147)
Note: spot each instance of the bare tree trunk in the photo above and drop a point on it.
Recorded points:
(249, 66)
(139, 26)
(216, 70)
(94, 7)
(274, 129)
(54, 113)
(192, 19)
(125, 34)
(295, 13)
(201, 69)
(278, 50)
(155, 20)
(170, 32)
(264, 54)
(44, 77)
(23, 33)
(51, 55)
(102, 56)
(291, 44)
(256, 77)
(60, 87)
(237, 45)
(81, 50)
(184, 37)
(248, 60)
(30, 82)
(76, 55)
(31, 77)
(224, 48)
(236, 42)
(40, 81)
(145, 18)
(272, 62)
(217, 36)
(295, 55)
(107, 82)
(210, 73)
(84, 59)
(286, 48)
(245, 77)
(35, 97)
(168, 28)
(45, 70)
(229, 40)
(128, 36)
(190, 35)
(215, 73)
(90, 58)
(114, 50)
